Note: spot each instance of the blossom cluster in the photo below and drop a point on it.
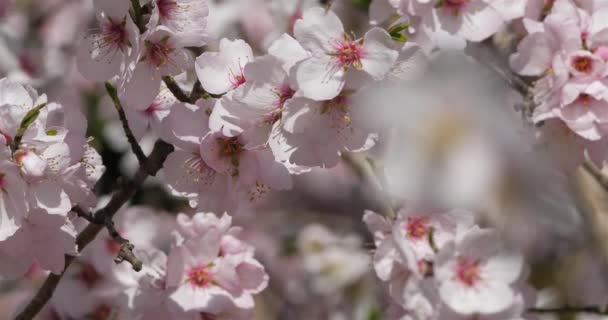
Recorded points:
(260, 113)
(567, 51)
(46, 168)
(444, 266)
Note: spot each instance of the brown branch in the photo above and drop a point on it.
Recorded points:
(152, 165)
(364, 169)
(126, 248)
(139, 153)
(197, 91)
(570, 309)
(176, 90)
(138, 16)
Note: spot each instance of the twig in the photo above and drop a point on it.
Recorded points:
(197, 91)
(570, 309)
(126, 247)
(176, 90)
(483, 54)
(364, 170)
(152, 165)
(137, 16)
(141, 157)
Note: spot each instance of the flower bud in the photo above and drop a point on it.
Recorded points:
(31, 164)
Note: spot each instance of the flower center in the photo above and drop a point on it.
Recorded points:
(208, 316)
(285, 93)
(199, 277)
(151, 109)
(348, 52)
(113, 36)
(456, 3)
(467, 271)
(417, 227)
(88, 275)
(101, 313)
(230, 146)
(198, 171)
(166, 8)
(237, 79)
(157, 53)
(584, 99)
(455, 6)
(582, 64)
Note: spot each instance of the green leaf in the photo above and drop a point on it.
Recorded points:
(31, 116)
(398, 30)
(400, 37)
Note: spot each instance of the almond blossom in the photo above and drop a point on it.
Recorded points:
(42, 238)
(567, 49)
(186, 172)
(210, 271)
(160, 53)
(475, 276)
(336, 56)
(186, 18)
(255, 107)
(222, 71)
(103, 53)
(318, 131)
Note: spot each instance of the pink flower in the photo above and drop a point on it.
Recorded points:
(255, 108)
(318, 131)
(151, 117)
(186, 18)
(42, 238)
(186, 172)
(335, 54)
(476, 274)
(102, 54)
(160, 53)
(419, 236)
(13, 203)
(213, 272)
(255, 169)
(222, 71)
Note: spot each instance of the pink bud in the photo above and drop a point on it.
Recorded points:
(31, 164)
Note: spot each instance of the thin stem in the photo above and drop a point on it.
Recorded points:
(363, 168)
(570, 309)
(152, 165)
(197, 91)
(139, 153)
(126, 248)
(176, 90)
(137, 16)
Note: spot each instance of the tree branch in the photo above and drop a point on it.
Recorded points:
(364, 169)
(150, 167)
(176, 90)
(126, 247)
(137, 16)
(141, 157)
(570, 309)
(197, 91)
